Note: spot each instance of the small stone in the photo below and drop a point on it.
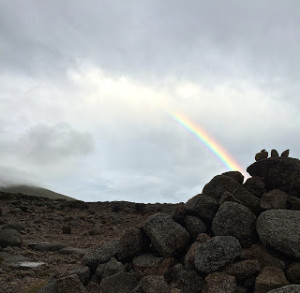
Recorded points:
(293, 272)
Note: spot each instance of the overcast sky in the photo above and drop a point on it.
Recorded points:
(87, 89)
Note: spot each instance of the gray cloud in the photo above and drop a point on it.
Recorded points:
(231, 67)
(46, 144)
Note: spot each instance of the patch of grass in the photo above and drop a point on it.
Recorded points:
(34, 288)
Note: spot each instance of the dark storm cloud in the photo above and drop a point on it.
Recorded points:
(51, 144)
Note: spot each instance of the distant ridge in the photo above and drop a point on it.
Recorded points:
(34, 191)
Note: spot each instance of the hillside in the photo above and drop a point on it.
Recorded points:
(34, 191)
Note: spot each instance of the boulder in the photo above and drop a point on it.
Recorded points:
(270, 278)
(276, 172)
(281, 230)
(132, 242)
(220, 184)
(244, 269)
(10, 237)
(83, 272)
(274, 199)
(202, 206)
(112, 267)
(69, 283)
(154, 283)
(168, 237)
(188, 281)
(293, 272)
(219, 282)
(255, 185)
(146, 264)
(190, 255)
(121, 282)
(216, 253)
(233, 219)
(194, 225)
(101, 255)
(265, 257)
(235, 175)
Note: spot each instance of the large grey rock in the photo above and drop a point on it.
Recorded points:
(216, 252)
(287, 289)
(202, 206)
(146, 264)
(221, 183)
(194, 225)
(70, 284)
(270, 278)
(167, 236)
(233, 219)
(281, 230)
(101, 255)
(10, 237)
(121, 282)
(131, 243)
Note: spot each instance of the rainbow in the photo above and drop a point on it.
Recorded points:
(220, 152)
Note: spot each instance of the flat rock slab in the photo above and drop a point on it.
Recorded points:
(216, 253)
(281, 230)
(46, 246)
(167, 236)
(27, 265)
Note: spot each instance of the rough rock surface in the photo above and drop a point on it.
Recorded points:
(167, 236)
(221, 183)
(281, 230)
(216, 252)
(202, 206)
(10, 237)
(219, 282)
(233, 219)
(277, 173)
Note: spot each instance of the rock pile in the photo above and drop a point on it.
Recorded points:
(235, 237)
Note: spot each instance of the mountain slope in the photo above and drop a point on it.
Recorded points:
(35, 191)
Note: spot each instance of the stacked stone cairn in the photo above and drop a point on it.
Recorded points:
(234, 237)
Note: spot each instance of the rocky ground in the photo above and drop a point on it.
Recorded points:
(46, 226)
(234, 237)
